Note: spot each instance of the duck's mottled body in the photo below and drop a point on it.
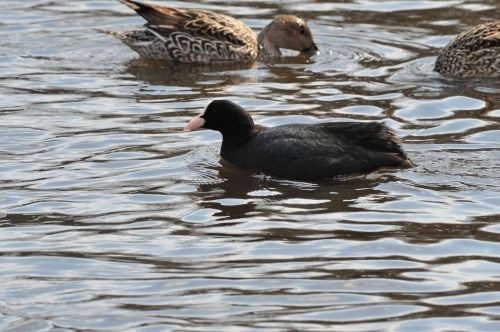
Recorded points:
(200, 36)
(473, 53)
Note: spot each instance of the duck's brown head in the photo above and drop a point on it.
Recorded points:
(290, 32)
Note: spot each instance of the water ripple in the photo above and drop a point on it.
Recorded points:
(113, 218)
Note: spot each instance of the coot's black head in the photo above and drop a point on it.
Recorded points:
(224, 116)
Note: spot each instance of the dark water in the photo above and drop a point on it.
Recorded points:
(112, 218)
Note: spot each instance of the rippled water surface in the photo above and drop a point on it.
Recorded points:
(113, 218)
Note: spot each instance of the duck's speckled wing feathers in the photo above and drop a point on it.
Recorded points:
(480, 37)
(192, 33)
(475, 52)
(320, 151)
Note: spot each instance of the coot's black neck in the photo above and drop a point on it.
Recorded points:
(236, 136)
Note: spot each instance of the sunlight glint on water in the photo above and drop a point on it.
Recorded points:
(113, 218)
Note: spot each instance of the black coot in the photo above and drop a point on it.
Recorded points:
(301, 151)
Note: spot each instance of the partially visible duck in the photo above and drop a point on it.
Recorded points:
(201, 36)
(301, 151)
(473, 53)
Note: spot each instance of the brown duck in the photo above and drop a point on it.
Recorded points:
(473, 53)
(201, 36)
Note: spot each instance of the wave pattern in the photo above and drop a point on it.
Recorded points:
(113, 218)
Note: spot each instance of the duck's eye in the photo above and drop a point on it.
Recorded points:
(302, 29)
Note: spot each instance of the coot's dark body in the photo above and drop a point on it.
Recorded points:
(302, 151)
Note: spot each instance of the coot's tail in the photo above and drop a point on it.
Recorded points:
(373, 142)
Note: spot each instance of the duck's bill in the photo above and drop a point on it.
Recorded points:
(196, 123)
(310, 51)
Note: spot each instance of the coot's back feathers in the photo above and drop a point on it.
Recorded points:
(316, 151)
(303, 151)
(374, 137)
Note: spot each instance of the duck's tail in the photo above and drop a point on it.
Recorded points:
(132, 4)
(117, 34)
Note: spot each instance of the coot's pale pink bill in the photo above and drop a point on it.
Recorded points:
(196, 123)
